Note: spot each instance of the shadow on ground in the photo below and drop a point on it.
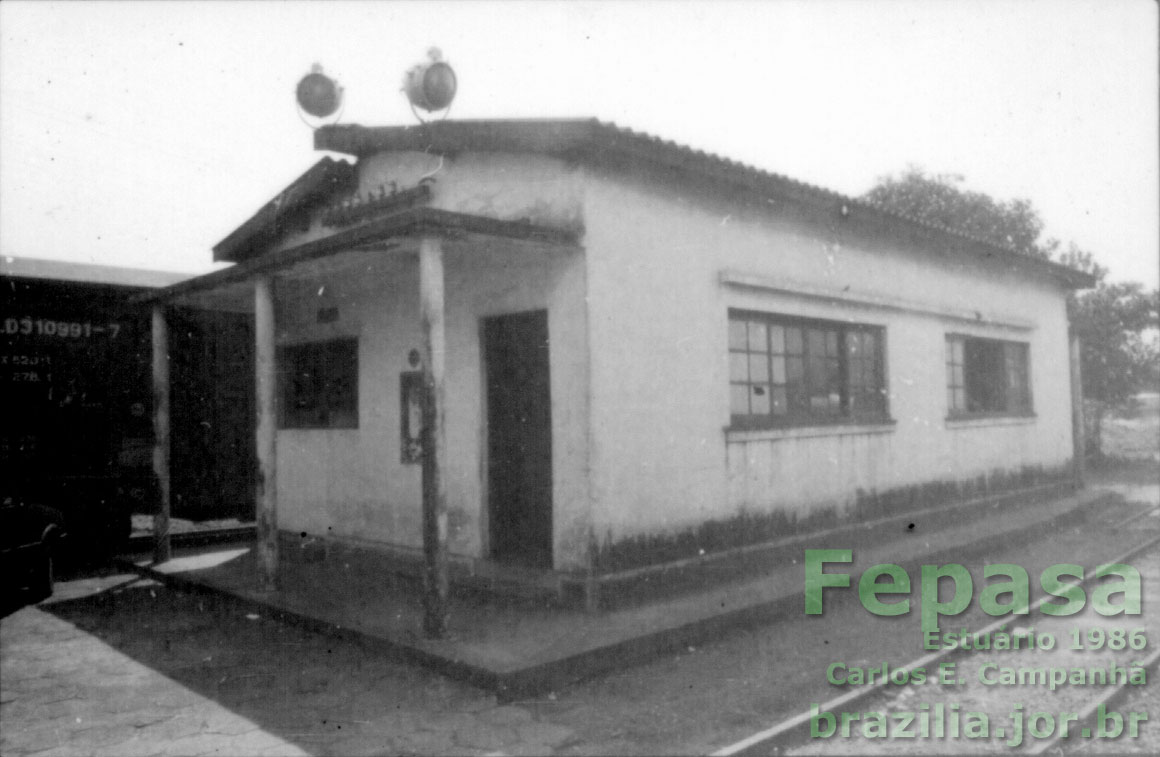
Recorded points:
(309, 690)
(72, 569)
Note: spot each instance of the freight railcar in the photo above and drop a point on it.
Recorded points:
(76, 433)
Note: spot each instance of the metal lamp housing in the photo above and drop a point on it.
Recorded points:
(318, 94)
(430, 86)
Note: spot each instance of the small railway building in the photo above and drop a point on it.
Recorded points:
(640, 353)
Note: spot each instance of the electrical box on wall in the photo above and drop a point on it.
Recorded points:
(411, 416)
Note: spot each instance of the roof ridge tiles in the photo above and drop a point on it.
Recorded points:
(978, 239)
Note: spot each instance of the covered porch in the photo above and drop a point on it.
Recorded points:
(419, 389)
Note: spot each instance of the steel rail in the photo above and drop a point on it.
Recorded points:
(193, 538)
(751, 744)
(1088, 713)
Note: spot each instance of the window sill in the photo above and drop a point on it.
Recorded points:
(985, 420)
(735, 434)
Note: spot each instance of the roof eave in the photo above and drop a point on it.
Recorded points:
(592, 140)
(396, 227)
(319, 181)
(550, 136)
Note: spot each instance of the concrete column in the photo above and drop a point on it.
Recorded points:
(434, 441)
(1077, 425)
(161, 547)
(267, 435)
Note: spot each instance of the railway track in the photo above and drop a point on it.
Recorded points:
(1026, 711)
(194, 538)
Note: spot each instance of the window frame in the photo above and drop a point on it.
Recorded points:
(794, 416)
(1022, 406)
(336, 409)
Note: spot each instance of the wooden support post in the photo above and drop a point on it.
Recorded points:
(1078, 432)
(161, 547)
(434, 442)
(265, 371)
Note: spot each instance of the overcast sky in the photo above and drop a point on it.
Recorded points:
(142, 133)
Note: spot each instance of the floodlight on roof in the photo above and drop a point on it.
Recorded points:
(318, 95)
(430, 85)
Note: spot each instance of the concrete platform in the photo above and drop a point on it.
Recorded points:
(517, 649)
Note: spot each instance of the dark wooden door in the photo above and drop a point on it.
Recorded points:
(519, 438)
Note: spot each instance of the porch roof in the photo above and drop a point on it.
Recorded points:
(382, 234)
(595, 141)
(318, 183)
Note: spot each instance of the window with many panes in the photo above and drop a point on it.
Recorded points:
(791, 371)
(320, 384)
(987, 377)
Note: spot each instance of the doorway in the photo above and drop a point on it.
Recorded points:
(519, 438)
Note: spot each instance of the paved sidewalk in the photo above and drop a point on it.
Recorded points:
(122, 665)
(113, 704)
(518, 650)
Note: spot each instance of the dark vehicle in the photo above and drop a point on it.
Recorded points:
(76, 397)
(30, 538)
(74, 367)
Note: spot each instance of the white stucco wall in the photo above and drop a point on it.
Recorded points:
(638, 323)
(350, 483)
(662, 457)
(509, 187)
